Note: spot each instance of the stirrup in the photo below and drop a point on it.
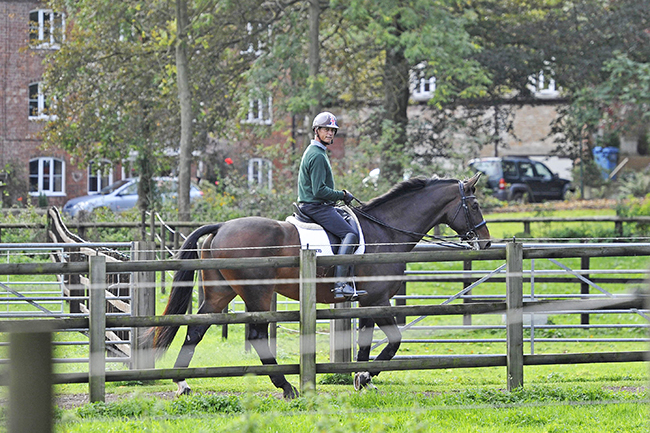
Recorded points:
(346, 291)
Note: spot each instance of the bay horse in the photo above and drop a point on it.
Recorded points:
(392, 222)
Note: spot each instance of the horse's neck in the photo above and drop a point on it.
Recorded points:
(420, 213)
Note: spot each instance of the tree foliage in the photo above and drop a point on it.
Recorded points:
(115, 80)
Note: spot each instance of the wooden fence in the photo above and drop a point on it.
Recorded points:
(150, 226)
(618, 221)
(513, 360)
(29, 337)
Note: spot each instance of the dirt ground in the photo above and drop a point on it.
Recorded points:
(71, 401)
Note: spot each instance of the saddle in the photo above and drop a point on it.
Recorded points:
(314, 236)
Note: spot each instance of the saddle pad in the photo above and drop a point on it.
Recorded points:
(314, 237)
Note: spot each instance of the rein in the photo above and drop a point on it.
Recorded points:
(470, 234)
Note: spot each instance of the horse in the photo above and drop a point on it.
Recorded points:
(393, 222)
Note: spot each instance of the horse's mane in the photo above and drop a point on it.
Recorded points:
(402, 188)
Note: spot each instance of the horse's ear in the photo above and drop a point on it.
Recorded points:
(471, 183)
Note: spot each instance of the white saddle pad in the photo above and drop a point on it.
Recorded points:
(314, 237)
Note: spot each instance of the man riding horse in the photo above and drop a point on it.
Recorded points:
(317, 197)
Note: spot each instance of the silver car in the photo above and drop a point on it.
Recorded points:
(123, 195)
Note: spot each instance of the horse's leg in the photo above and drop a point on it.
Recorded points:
(366, 328)
(259, 298)
(259, 338)
(389, 326)
(216, 299)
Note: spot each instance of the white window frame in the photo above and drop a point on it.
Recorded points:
(422, 88)
(47, 182)
(103, 175)
(543, 85)
(260, 173)
(37, 106)
(43, 30)
(260, 112)
(260, 44)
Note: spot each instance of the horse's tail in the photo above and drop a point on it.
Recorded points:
(160, 338)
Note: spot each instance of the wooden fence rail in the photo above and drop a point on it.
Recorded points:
(155, 225)
(514, 359)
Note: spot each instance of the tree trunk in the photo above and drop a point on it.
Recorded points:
(314, 58)
(185, 100)
(396, 87)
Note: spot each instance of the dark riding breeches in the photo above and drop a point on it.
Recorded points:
(328, 217)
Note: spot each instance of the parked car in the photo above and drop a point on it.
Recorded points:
(123, 195)
(515, 178)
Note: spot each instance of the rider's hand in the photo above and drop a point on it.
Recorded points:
(347, 197)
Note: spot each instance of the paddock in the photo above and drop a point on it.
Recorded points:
(513, 308)
(513, 304)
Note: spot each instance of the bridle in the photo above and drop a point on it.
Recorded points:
(471, 229)
(469, 235)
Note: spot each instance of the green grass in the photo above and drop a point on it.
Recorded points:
(537, 409)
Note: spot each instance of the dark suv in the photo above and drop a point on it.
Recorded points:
(517, 178)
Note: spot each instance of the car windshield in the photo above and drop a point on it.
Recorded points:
(112, 187)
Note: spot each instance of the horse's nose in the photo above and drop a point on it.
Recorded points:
(486, 244)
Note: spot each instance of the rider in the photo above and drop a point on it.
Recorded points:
(317, 196)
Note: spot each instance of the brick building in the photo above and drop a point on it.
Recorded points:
(28, 32)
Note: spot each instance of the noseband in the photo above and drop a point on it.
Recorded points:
(470, 234)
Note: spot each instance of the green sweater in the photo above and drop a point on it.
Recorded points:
(315, 180)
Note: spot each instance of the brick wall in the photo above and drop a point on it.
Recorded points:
(20, 66)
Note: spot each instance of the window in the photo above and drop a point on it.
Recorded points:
(100, 175)
(423, 85)
(256, 36)
(423, 89)
(46, 176)
(260, 173)
(542, 171)
(542, 85)
(526, 170)
(38, 104)
(260, 111)
(46, 28)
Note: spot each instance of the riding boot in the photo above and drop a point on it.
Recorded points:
(343, 289)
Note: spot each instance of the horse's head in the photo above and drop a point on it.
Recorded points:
(467, 219)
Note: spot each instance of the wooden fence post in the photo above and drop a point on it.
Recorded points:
(307, 321)
(273, 327)
(467, 266)
(514, 315)
(584, 287)
(143, 303)
(163, 256)
(341, 337)
(97, 328)
(30, 382)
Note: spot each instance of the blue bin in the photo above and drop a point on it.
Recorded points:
(606, 158)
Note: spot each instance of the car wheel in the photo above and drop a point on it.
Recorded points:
(566, 189)
(519, 197)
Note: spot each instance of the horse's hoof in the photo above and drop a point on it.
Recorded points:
(183, 389)
(290, 392)
(362, 381)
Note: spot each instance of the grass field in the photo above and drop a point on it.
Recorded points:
(555, 398)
